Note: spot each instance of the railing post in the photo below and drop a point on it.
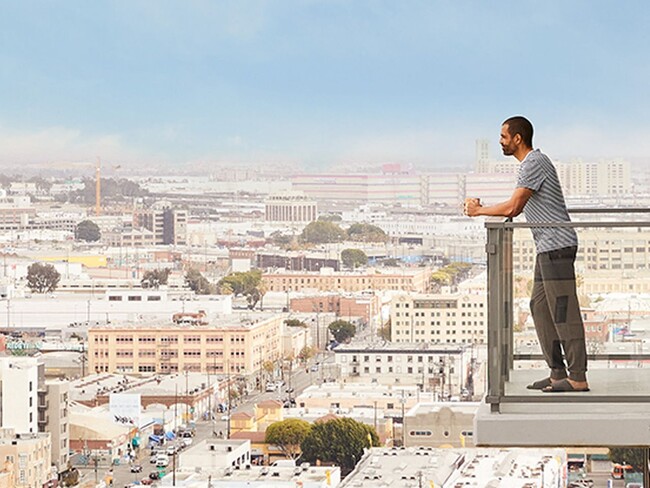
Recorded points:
(499, 311)
(508, 310)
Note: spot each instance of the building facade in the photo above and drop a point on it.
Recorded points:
(292, 207)
(57, 421)
(459, 318)
(406, 279)
(26, 458)
(366, 306)
(19, 389)
(240, 344)
(168, 224)
(441, 369)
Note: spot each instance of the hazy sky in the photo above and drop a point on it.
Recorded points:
(320, 82)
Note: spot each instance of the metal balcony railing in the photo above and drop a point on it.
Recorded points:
(501, 355)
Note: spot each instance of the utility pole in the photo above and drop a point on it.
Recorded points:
(229, 400)
(175, 407)
(174, 468)
(403, 401)
(187, 393)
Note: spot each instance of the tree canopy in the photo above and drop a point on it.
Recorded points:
(366, 233)
(450, 274)
(353, 258)
(287, 435)
(295, 323)
(339, 441)
(42, 278)
(248, 284)
(330, 218)
(118, 189)
(627, 455)
(87, 230)
(321, 232)
(342, 330)
(198, 283)
(155, 278)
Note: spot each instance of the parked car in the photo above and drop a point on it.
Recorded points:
(146, 481)
(136, 468)
(154, 475)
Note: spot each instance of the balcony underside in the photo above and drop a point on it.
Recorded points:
(595, 418)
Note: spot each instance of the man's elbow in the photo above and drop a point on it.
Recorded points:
(513, 211)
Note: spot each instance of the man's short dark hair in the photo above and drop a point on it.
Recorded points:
(522, 126)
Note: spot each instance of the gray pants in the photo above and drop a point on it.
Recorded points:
(556, 313)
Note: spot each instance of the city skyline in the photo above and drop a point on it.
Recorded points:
(318, 84)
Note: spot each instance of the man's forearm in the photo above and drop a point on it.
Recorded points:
(503, 209)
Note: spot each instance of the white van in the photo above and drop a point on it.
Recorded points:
(162, 461)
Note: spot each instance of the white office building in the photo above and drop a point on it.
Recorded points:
(19, 389)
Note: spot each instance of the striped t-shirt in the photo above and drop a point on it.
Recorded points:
(537, 173)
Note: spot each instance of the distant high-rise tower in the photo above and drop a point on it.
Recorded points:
(482, 149)
(482, 153)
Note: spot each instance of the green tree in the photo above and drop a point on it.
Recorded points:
(198, 283)
(42, 278)
(366, 233)
(306, 353)
(342, 330)
(248, 284)
(627, 455)
(287, 435)
(41, 183)
(440, 278)
(295, 323)
(281, 240)
(330, 218)
(353, 258)
(321, 232)
(339, 441)
(384, 331)
(155, 278)
(88, 231)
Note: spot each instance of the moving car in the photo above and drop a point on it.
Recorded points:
(136, 468)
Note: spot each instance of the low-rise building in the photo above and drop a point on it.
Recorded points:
(303, 475)
(27, 458)
(440, 424)
(216, 453)
(458, 318)
(442, 369)
(481, 468)
(338, 398)
(366, 306)
(402, 279)
(238, 343)
(292, 207)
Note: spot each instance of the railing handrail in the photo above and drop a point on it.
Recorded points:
(529, 225)
(596, 210)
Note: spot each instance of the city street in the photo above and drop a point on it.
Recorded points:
(122, 476)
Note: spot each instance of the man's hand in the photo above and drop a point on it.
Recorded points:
(471, 206)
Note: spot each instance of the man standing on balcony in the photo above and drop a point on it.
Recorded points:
(554, 302)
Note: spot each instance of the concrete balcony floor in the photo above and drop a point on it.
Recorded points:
(570, 419)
